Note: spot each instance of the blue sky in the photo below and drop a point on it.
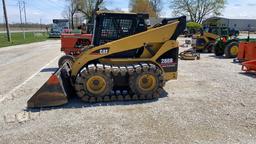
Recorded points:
(46, 10)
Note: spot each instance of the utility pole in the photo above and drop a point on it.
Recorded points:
(41, 24)
(25, 12)
(6, 21)
(21, 22)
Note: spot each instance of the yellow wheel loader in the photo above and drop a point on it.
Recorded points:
(135, 67)
(204, 42)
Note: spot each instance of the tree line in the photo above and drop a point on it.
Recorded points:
(195, 10)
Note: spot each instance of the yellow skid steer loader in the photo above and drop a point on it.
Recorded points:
(135, 67)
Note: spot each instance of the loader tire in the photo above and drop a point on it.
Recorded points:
(209, 48)
(93, 83)
(146, 81)
(64, 59)
(231, 50)
(218, 51)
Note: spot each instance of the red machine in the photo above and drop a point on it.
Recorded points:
(247, 55)
(247, 51)
(249, 66)
(72, 45)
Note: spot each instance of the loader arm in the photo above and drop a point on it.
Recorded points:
(211, 35)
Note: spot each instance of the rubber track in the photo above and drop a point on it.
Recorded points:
(118, 95)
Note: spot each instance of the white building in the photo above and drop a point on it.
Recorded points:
(237, 24)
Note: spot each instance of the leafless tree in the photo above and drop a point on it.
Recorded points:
(157, 6)
(197, 10)
(70, 11)
(87, 7)
(90, 7)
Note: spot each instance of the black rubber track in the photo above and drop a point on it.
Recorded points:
(64, 59)
(118, 95)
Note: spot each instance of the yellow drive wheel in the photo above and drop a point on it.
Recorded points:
(234, 50)
(147, 82)
(93, 82)
(96, 84)
(231, 50)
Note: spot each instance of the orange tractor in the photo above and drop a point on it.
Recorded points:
(73, 45)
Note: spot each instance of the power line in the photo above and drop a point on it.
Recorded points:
(25, 12)
(22, 8)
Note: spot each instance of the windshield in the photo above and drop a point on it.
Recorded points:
(60, 25)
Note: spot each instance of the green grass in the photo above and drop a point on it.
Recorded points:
(17, 38)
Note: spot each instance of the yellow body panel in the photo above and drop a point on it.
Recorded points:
(207, 38)
(120, 61)
(211, 35)
(159, 37)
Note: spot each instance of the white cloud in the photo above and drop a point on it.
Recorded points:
(240, 12)
(36, 13)
(125, 9)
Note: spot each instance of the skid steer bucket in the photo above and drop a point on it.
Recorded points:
(54, 92)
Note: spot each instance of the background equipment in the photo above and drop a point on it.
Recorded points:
(247, 49)
(189, 55)
(204, 42)
(58, 27)
(227, 46)
(247, 54)
(73, 45)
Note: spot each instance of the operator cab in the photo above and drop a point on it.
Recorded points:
(112, 26)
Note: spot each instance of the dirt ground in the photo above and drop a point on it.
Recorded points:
(211, 102)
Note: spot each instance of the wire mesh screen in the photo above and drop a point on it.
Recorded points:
(114, 27)
(108, 30)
